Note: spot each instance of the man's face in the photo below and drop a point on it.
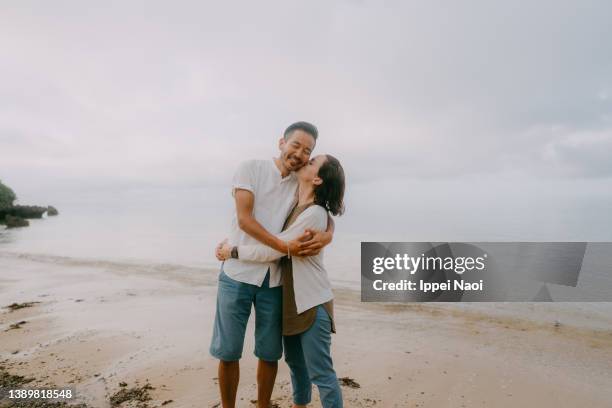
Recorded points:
(295, 151)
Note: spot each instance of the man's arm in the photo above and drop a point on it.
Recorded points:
(312, 219)
(315, 220)
(318, 239)
(247, 222)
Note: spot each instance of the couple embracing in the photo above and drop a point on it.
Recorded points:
(273, 260)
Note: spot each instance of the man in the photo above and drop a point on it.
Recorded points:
(264, 192)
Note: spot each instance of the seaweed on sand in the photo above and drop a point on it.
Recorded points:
(136, 393)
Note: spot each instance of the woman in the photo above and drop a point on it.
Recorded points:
(307, 295)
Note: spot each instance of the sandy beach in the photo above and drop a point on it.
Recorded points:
(101, 327)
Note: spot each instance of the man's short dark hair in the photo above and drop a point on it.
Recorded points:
(303, 126)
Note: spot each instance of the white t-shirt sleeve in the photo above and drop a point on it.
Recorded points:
(314, 218)
(244, 177)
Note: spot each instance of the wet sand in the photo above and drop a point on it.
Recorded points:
(99, 324)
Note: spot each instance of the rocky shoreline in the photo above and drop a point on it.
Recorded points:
(14, 216)
(18, 215)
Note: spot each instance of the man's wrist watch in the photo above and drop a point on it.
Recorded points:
(234, 253)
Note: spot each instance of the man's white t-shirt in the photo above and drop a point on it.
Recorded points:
(275, 196)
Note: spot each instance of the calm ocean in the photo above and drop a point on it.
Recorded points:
(182, 228)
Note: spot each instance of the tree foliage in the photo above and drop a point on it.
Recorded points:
(7, 196)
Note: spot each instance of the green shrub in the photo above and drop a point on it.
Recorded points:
(7, 196)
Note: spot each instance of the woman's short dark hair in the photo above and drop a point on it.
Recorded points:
(303, 126)
(330, 193)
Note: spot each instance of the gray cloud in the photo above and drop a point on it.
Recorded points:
(145, 93)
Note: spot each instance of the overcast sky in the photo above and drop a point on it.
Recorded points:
(174, 94)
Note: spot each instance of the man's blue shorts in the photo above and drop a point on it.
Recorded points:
(234, 300)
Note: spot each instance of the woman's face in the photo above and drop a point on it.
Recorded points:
(310, 171)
